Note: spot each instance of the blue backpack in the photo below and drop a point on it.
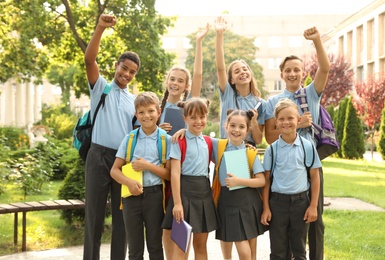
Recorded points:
(162, 149)
(82, 132)
(162, 145)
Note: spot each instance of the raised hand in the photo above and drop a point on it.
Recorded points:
(311, 34)
(220, 24)
(107, 20)
(202, 33)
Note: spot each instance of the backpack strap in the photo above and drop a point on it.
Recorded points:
(131, 143)
(216, 186)
(162, 145)
(306, 150)
(183, 147)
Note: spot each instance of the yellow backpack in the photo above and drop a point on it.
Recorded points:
(216, 186)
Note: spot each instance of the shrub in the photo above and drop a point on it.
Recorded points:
(74, 188)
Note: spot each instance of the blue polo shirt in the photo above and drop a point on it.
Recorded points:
(289, 173)
(313, 100)
(146, 148)
(229, 100)
(197, 155)
(114, 120)
(257, 166)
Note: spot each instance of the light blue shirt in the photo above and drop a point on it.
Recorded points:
(257, 166)
(289, 172)
(313, 100)
(114, 120)
(146, 148)
(196, 161)
(229, 100)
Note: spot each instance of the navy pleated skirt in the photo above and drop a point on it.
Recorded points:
(198, 205)
(240, 214)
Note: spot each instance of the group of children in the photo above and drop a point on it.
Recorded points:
(286, 205)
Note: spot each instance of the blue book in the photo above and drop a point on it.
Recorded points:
(174, 117)
(237, 164)
(181, 234)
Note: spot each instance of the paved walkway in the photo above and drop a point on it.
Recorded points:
(76, 252)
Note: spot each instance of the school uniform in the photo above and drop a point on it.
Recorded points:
(289, 197)
(317, 228)
(198, 205)
(143, 214)
(239, 210)
(113, 122)
(229, 100)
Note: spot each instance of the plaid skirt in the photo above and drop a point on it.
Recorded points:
(198, 205)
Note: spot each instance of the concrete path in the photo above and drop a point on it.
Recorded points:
(263, 244)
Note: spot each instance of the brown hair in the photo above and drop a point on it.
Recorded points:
(282, 104)
(194, 106)
(188, 79)
(286, 59)
(146, 99)
(248, 115)
(253, 83)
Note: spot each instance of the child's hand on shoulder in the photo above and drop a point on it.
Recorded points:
(178, 135)
(140, 164)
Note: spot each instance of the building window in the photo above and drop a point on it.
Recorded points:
(295, 41)
(274, 42)
(277, 85)
(360, 74)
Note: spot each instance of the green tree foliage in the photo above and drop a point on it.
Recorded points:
(339, 122)
(37, 35)
(381, 141)
(353, 146)
(235, 46)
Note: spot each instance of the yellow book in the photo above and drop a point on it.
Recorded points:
(132, 174)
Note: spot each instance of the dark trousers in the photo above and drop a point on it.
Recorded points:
(98, 184)
(317, 228)
(287, 226)
(143, 216)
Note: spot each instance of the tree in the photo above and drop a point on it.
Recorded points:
(369, 101)
(233, 51)
(339, 121)
(353, 146)
(381, 142)
(340, 80)
(62, 29)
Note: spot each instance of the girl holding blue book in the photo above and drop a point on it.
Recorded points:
(239, 209)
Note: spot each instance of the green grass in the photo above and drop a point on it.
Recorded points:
(45, 229)
(348, 234)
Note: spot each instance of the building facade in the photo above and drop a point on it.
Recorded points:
(361, 39)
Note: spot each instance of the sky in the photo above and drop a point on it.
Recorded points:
(258, 7)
